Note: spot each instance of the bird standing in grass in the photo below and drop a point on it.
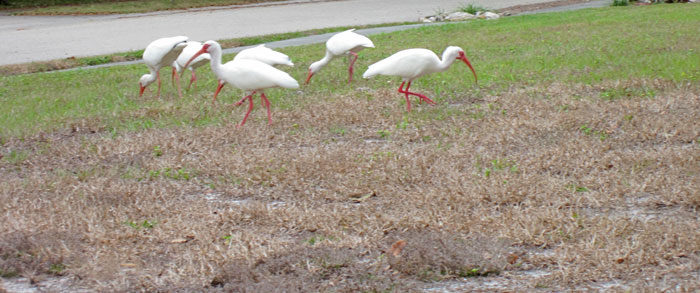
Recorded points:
(246, 74)
(191, 49)
(345, 43)
(158, 54)
(414, 63)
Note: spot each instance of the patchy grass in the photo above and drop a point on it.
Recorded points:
(23, 7)
(503, 53)
(270, 204)
(320, 201)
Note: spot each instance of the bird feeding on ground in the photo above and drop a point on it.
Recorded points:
(158, 54)
(187, 53)
(246, 74)
(345, 43)
(413, 63)
(264, 55)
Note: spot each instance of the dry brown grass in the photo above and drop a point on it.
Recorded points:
(538, 187)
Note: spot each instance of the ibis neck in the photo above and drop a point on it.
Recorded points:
(323, 62)
(447, 59)
(153, 72)
(215, 60)
(149, 78)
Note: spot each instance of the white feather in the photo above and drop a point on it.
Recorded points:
(162, 52)
(250, 75)
(346, 41)
(264, 55)
(192, 48)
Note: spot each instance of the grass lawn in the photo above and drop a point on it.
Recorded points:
(57, 7)
(573, 164)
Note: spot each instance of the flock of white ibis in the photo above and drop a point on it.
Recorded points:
(253, 71)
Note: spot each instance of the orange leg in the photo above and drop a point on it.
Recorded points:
(250, 108)
(177, 78)
(218, 89)
(243, 99)
(406, 92)
(158, 76)
(408, 101)
(351, 69)
(266, 102)
(192, 80)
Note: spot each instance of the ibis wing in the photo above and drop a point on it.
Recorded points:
(192, 48)
(408, 64)
(346, 41)
(265, 55)
(164, 50)
(255, 75)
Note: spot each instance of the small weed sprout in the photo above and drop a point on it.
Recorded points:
(402, 124)
(472, 8)
(57, 268)
(318, 239)
(384, 133)
(590, 131)
(497, 165)
(171, 173)
(576, 188)
(339, 130)
(145, 224)
(157, 151)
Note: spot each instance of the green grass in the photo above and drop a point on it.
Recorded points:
(472, 8)
(57, 7)
(587, 46)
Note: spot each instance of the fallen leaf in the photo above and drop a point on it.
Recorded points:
(359, 197)
(129, 265)
(513, 258)
(397, 247)
(182, 240)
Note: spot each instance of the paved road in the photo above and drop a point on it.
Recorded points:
(40, 38)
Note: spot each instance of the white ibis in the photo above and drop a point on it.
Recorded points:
(413, 63)
(179, 64)
(246, 74)
(158, 54)
(264, 55)
(347, 42)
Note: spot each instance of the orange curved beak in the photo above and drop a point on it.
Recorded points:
(309, 76)
(200, 52)
(142, 88)
(466, 61)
